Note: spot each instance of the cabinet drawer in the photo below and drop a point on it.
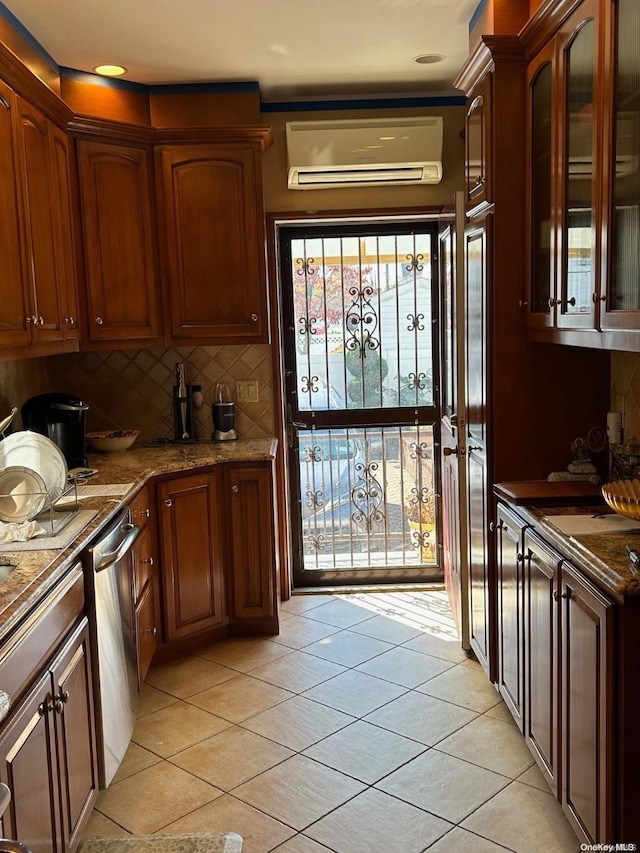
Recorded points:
(144, 557)
(140, 508)
(26, 652)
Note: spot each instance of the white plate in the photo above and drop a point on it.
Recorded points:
(29, 449)
(22, 494)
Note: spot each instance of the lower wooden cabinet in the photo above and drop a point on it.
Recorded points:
(191, 555)
(48, 752)
(251, 547)
(510, 563)
(560, 678)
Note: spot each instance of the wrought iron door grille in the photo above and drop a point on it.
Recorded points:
(368, 497)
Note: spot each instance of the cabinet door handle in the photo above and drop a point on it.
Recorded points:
(571, 301)
(254, 318)
(70, 320)
(522, 303)
(235, 488)
(99, 321)
(557, 595)
(553, 302)
(168, 502)
(152, 631)
(147, 561)
(595, 298)
(145, 513)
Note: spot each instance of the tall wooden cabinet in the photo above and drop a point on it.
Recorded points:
(122, 300)
(38, 309)
(213, 238)
(513, 387)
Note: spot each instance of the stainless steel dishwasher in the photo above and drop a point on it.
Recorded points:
(109, 580)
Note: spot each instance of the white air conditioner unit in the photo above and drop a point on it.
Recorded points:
(364, 152)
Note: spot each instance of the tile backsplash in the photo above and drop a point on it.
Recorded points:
(625, 383)
(133, 389)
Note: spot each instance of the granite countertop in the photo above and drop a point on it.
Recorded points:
(38, 571)
(602, 557)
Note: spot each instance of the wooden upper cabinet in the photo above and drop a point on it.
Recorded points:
(620, 307)
(576, 298)
(542, 235)
(63, 225)
(116, 198)
(33, 132)
(14, 308)
(562, 180)
(213, 236)
(478, 145)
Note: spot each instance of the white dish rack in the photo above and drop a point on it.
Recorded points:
(53, 520)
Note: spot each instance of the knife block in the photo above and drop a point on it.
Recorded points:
(185, 404)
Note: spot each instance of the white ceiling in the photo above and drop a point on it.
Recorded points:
(295, 49)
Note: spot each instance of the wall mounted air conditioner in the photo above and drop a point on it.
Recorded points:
(364, 152)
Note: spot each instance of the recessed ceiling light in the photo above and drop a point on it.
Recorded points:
(110, 70)
(429, 58)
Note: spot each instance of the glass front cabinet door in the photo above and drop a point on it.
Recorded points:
(577, 297)
(621, 232)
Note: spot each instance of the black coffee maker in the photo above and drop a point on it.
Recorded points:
(62, 418)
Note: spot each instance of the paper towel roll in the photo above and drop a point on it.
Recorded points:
(614, 427)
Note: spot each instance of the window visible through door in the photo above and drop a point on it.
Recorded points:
(361, 367)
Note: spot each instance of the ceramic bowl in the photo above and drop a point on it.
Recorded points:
(623, 497)
(112, 441)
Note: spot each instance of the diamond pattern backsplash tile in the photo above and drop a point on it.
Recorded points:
(133, 389)
(625, 382)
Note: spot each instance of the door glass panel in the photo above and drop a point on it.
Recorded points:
(362, 315)
(448, 320)
(578, 243)
(541, 256)
(624, 287)
(368, 497)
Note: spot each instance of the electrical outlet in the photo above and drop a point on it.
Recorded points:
(247, 391)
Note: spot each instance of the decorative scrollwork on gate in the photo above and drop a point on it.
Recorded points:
(361, 321)
(304, 266)
(420, 451)
(415, 322)
(315, 499)
(308, 384)
(307, 324)
(313, 454)
(316, 541)
(367, 496)
(415, 264)
(417, 381)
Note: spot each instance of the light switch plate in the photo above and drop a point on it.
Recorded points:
(247, 391)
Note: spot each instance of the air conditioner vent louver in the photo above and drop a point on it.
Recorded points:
(368, 152)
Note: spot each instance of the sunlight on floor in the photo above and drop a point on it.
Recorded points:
(428, 611)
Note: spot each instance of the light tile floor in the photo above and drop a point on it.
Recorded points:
(361, 728)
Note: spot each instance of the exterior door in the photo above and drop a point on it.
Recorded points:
(361, 367)
(452, 431)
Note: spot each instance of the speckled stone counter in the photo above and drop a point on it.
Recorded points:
(197, 842)
(602, 557)
(38, 571)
